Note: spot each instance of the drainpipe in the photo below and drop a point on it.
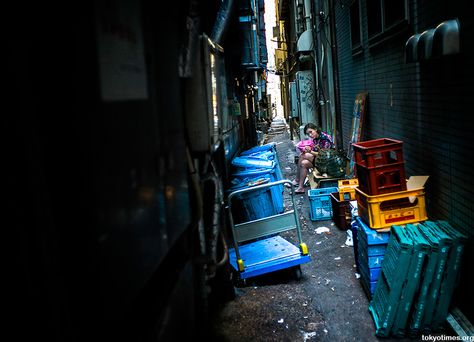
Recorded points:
(222, 21)
(335, 69)
(309, 27)
(307, 14)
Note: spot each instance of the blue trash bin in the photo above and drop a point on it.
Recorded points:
(276, 190)
(252, 205)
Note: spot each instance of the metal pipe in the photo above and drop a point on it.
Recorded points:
(335, 69)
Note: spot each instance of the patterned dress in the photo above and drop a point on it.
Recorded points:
(324, 141)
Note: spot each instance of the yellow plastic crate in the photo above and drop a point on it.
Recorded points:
(394, 208)
(346, 189)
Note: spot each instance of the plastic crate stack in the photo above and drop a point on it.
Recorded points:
(369, 249)
(257, 165)
(382, 201)
(340, 202)
(419, 274)
(382, 196)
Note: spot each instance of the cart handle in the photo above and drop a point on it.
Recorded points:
(263, 186)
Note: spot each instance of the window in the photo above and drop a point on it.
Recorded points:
(385, 17)
(356, 42)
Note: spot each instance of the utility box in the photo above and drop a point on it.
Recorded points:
(306, 96)
(295, 106)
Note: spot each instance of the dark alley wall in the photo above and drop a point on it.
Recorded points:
(98, 193)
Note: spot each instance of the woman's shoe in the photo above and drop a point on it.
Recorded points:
(299, 191)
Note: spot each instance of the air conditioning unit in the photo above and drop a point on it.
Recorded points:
(206, 97)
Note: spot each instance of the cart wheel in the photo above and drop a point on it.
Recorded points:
(297, 272)
(238, 281)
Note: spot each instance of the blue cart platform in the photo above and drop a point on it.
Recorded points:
(258, 247)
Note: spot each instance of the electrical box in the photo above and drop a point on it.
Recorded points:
(295, 106)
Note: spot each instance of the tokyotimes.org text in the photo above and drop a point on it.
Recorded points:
(446, 338)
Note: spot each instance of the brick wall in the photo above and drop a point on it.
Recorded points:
(428, 105)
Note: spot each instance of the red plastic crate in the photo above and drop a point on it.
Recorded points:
(382, 179)
(380, 167)
(378, 152)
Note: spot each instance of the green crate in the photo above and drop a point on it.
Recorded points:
(384, 304)
(451, 274)
(419, 304)
(444, 242)
(421, 248)
(430, 285)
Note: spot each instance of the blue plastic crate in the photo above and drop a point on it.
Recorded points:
(367, 283)
(369, 261)
(373, 250)
(320, 203)
(372, 274)
(372, 236)
(370, 250)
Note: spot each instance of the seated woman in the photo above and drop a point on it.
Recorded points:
(306, 158)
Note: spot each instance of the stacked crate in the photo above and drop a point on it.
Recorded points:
(369, 247)
(382, 196)
(346, 188)
(340, 202)
(383, 200)
(417, 280)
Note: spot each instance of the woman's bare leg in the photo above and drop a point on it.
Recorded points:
(306, 162)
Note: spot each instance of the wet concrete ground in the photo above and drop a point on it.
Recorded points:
(328, 303)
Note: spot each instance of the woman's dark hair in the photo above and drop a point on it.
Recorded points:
(312, 126)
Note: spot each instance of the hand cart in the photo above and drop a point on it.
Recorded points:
(258, 249)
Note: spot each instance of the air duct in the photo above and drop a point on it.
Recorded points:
(222, 21)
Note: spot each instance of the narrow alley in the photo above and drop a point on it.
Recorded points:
(327, 304)
(124, 119)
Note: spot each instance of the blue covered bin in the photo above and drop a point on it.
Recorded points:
(257, 149)
(268, 152)
(276, 191)
(252, 205)
(247, 162)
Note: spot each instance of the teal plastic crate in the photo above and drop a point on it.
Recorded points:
(419, 304)
(421, 249)
(451, 274)
(384, 304)
(444, 242)
(320, 203)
